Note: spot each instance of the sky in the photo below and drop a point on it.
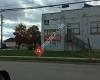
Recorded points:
(28, 17)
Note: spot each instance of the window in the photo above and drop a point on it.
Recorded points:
(74, 27)
(46, 22)
(52, 33)
(95, 27)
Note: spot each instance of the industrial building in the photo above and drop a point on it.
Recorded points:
(77, 29)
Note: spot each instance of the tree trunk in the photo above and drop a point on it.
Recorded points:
(18, 46)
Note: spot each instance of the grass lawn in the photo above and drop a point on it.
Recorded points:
(78, 54)
(16, 53)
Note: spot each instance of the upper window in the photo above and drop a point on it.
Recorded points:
(46, 22)
(95, 27)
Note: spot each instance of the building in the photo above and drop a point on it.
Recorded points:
(77, 29)
(10, 43)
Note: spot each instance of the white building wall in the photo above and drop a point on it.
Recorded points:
(55, 23)
(71, 17)
(93, 15)
(10, 44)
(83, 16)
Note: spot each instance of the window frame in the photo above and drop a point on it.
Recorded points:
(97, 27)
(46, 22)
(70, 26)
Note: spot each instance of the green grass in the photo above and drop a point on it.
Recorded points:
(78, 54)
(16, 53)
(59, 56)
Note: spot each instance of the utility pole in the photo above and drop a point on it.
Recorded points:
(1, 30)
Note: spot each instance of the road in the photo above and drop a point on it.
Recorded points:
(50, 71)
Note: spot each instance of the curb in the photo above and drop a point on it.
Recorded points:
(49, 59)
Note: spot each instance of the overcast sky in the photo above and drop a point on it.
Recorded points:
(28, 17)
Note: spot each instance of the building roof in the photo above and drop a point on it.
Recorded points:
(10, 40)
(87, 5)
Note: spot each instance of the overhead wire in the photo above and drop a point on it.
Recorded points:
(36, 7)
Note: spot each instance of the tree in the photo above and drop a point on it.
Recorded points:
(29, 36)
(33, 36)
(20, 34)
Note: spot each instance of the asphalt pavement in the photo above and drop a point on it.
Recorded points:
(50, 71)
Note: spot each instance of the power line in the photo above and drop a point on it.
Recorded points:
(36, 7)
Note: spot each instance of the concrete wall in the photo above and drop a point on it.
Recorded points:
(83, 16)
(55, 23)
